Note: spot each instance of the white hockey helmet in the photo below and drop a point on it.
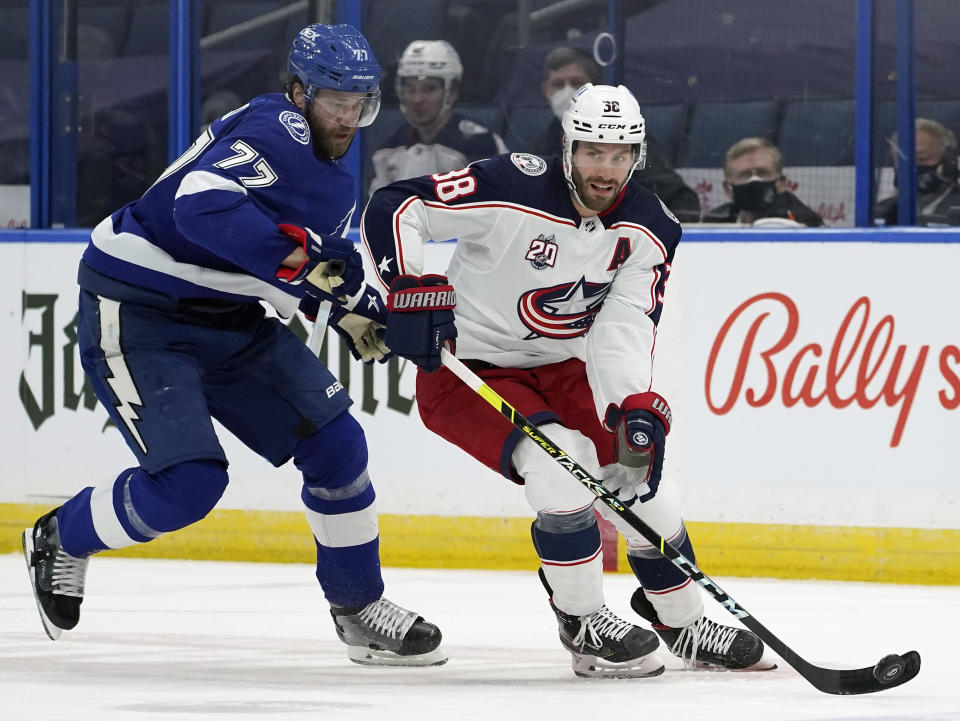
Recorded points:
(432, 59)
(603, 114)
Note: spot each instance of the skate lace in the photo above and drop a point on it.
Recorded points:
(601, 623)
(705, 634)
(388, 618)
(68, 573)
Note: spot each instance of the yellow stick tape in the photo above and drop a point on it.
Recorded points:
(894, 555)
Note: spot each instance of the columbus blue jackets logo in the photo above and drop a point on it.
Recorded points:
(529, 163)
(561, 311)
(296, 125)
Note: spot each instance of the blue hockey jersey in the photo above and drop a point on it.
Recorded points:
(207, 228)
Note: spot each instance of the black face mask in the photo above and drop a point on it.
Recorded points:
(928, 180)
(755, 196)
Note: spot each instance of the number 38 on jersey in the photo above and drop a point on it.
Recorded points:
(454, 184)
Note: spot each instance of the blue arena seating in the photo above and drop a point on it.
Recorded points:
(149, 29)
(817, 132)
(667, 125)
(523, 125)
(715, 126)
(223, 15)
(489, 115)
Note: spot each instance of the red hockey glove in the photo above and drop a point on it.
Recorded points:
(421, 318)
(324, 253)
(640, 424)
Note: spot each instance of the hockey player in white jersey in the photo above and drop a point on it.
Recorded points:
(172, 334)
(560, 269)
(435, 138)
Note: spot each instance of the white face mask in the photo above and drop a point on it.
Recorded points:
(560, 100)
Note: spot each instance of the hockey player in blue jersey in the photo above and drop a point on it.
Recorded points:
(172, 334)
(560, 269)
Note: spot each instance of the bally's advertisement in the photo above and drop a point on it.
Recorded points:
(815, 390)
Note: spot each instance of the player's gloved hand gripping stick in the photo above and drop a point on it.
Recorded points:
(360, 322)
(325, 253)
(891, 670)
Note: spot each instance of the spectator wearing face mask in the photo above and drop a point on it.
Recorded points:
(565, 70)
(753, 180)
(938, 193)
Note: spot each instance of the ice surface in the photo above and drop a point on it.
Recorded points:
(199, 641)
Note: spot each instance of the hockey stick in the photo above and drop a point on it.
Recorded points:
(318, 333)
(891, 670)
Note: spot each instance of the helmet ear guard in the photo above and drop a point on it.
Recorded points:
(603, 114)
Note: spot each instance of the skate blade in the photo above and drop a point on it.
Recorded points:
(762, 665)
(586, 666)
(26, 541)
(374, 657)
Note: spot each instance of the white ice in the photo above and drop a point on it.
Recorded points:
(194, 641)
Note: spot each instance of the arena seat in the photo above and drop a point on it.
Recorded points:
(523, 124)
(818, 132)
(16, 37)
(223, 15)
(715, 126)
(101, 28)
(666, 124)
(149, 30)
(489, 115)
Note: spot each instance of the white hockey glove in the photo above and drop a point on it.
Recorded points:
(363, 326)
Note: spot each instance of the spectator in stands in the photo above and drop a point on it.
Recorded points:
(435, 138)
(565, 69)
(938, 192)
(753, 180)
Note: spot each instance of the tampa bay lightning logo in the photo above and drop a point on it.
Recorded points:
(296, 125)
(561, 311)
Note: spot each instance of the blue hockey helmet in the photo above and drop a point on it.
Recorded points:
(337, 57)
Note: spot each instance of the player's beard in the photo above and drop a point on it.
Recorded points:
(593, 199)
(332, 141)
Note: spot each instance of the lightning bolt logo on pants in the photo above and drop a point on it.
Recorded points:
(120, 380)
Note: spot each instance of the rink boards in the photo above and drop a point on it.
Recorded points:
(814, 386)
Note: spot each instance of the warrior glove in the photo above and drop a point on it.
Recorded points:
(640, 425)
(421, 319)
(315, 273)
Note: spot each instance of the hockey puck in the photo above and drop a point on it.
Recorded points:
(889, 668)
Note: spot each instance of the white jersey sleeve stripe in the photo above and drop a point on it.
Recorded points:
(199, 181)
(139, 251)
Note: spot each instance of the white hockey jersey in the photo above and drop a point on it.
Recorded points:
(536, 283)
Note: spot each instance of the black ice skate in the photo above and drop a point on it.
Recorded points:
(706, 643)
(605, 646)
(56, 576)
(384, 634)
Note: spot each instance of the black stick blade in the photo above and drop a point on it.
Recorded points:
(890, 671)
